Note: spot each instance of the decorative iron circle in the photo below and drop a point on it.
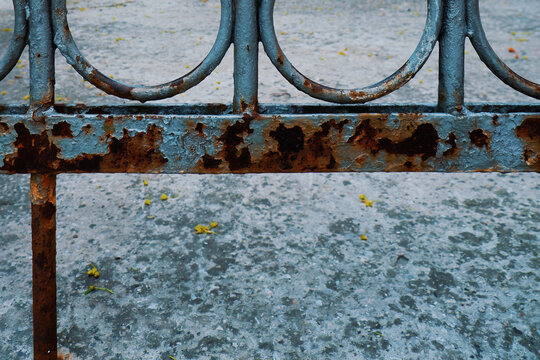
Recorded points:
(489, 57)
(350, 96)
(18, 40)
(65, 43)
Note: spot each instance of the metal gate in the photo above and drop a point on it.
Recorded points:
(45, 139)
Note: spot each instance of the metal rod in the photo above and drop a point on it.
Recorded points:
(452, 57)
(43, 198)
(41, 52)
(42, 186)
(246, 52)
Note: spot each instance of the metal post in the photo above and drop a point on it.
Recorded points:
(246, 52)
(43, 197)
(452, 57)
(42, 186)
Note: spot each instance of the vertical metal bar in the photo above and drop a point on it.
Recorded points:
(42, 186)
(246, 53)
(43, 197)
(452, 57)
(41, 51)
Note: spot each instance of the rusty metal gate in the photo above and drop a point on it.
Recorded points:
(45, 139)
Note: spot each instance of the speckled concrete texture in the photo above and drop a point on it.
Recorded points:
(448, 269)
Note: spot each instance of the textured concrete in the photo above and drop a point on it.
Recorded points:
(449, 269)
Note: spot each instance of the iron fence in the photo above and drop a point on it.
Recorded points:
(45, 138)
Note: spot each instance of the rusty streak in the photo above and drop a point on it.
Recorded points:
(43, 199)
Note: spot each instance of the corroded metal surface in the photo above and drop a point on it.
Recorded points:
(270, 142)
(43, 198)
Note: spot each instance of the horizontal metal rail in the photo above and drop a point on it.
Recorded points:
(45, 139)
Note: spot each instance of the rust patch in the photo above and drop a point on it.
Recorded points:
(453, 146)
(33, 152)
(495, 120)
(280, 57)
(480, 138)
(109, 86)
(410, 139)
(529, 132)
(200, 128)
(356, 94)
(88, 129)
(62, 129)
(36, 153)
(314, 87)
(108, 129)
(209, 162)
(4, 128)
(299, 150)
(237, 159)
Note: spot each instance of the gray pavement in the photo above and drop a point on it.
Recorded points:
(449, 266)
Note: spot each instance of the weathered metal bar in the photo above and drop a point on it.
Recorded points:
(41, 52)
(452, 57)
(277, 139)
(246, 53)
(42, 184)
(43, 198)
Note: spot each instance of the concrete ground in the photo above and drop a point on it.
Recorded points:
(449, 265)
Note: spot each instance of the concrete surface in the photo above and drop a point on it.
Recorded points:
(449, 269)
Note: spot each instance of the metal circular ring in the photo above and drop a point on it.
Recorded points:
(350, 96)
(493, 62)
(18, 40)
(65, 43)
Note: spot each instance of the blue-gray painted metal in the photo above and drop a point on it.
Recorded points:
(246, 54)
(326, 140)
(452, 57)
(41, 55)
(65, 43)
(18, 40)
(350, 96)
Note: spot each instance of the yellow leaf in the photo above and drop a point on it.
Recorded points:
(147, 202)
(213, 224)
(26, 97)
(164, 197)
(369, 203)
(363, 237)
(362, 197)
(145, 182)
